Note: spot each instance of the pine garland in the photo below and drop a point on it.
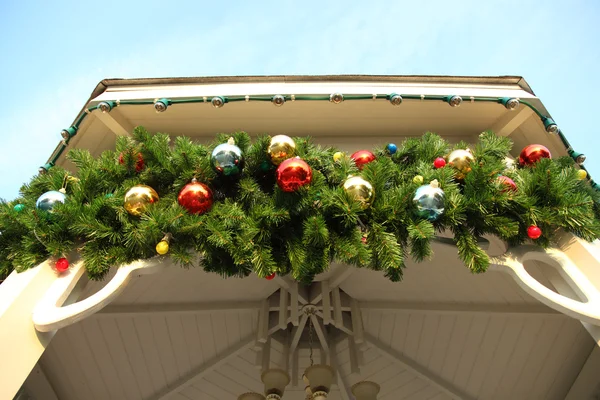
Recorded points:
(253, 226)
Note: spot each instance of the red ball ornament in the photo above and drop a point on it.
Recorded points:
(195, 197)
(139, 164)
(62, 264)
(534, 232)
(439, 162)
(509, 184)
(362, 158)
(292, 174)
(270, 277)
(532, 154)
(364, 240)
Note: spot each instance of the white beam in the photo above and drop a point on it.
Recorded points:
(465, 308)
(321, 333)
(266, 355)
(326, 302)
(510, 121)
(586, 385)
(417, 369)
(357, 324)
(176, 308)
(116, 122)
(341, 382)
(295, 367)
(297, 333)
(198, 373)
(263, 322)
(342, 273)
(352, 349)
(283, 308)
(337, 307)
(294, 306)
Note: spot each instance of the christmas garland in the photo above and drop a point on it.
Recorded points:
(287, 206)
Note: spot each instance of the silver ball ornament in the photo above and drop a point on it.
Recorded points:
(429, 200)
(48, 200)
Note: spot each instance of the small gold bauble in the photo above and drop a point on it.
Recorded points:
(418, 179)
(138, 198)
(281, 148)
(162, 247)
(581, 174)
(361, 190)
(338, 156)
(461, 161)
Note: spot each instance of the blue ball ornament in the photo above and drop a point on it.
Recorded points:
(429, 200)
(48, 200)
(226, 159)
(392, 148)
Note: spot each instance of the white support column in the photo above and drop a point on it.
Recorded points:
(20, 343)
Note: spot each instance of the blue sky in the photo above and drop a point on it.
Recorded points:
(54, 53)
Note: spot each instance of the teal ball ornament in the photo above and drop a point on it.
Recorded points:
(49, 200)
(429, 200)
(19, 207)
(227, 159)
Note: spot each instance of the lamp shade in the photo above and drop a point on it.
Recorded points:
(320, 377)
(365, 390)
(275, 381)
(251, 396)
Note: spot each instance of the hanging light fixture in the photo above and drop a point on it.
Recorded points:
(318, 377)
(365, 390)
(275, 381)
(251, 396)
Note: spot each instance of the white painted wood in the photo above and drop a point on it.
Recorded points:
(513, 261)
(263, 322)
(297, 333)
(325, 302)
(19, 341)
(198, 373)
(283, 308)
(295, 363)
(37, 385)
(266, 356)
(510, 121)
(175, 308)
(340, 381)
(353, 352)
(115, 121)
(357, 322)
(337, 307)
(459, 308)
(321, 333)
(48, 315)
(417, 369)
(294, 306)
(587, 383)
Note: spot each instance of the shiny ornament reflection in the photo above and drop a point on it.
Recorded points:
(195, 197)
(49, 200)
(292, 174)
(138, 198)
(360, 190)
(429, 200)
(461, 161)
(281, 147)
(532, 154)
(362, 158)
(226, 159)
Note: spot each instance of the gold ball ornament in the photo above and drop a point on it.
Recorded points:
(461, 161)
(138, 198)
(162, 247)
(337, 156)
(418, 179)
(281, 147)
(581, 174)
(361, 190)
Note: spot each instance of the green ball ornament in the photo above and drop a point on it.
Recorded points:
(429, 200)
(19, 207)
(226, 159)
(49, 200)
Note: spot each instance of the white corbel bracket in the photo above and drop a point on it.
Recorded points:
(48, 315)
(586, 311)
